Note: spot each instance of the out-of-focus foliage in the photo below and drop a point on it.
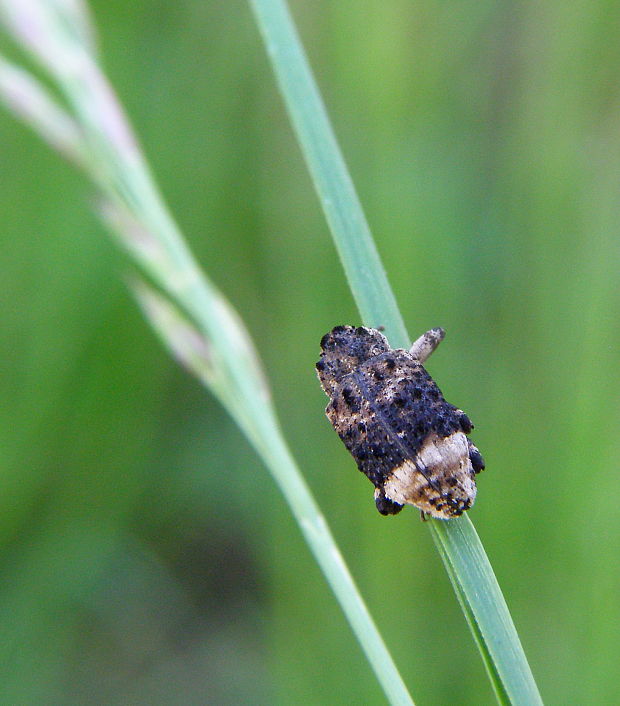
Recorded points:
(145, 555)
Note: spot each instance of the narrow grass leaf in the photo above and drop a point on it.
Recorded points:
(460, 548)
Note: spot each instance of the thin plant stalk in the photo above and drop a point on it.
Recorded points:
(460, 548)
(187, 311)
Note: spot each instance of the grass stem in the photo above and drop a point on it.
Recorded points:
(460, 548)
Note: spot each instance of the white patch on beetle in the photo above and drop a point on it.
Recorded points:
(444, 460)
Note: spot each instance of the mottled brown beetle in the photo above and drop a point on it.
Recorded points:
(392, 417)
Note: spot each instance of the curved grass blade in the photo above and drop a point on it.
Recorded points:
(188, 312)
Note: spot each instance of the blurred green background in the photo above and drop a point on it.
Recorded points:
(146, 557)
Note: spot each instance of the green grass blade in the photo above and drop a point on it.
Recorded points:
(460, 548)
(339, 200)
(488, 617)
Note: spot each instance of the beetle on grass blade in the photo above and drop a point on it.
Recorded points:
(392, 417)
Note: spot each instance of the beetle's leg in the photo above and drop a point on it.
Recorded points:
(475, 457)
(385, 505)
(426, 344)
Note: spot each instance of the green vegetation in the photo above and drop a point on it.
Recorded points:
(146, 556)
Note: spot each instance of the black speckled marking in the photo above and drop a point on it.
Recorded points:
(386, 408)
